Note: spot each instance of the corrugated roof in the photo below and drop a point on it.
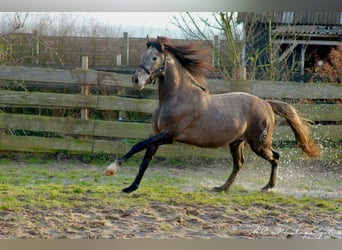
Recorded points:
(299, 18)
(308, 30)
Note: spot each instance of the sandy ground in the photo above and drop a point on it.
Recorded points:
(160, 220)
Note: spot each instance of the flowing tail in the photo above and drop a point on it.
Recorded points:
(299, 126)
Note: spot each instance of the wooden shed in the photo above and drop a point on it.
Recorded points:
(303, 39)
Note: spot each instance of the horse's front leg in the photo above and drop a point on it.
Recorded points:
(150, 152)
(151, 144)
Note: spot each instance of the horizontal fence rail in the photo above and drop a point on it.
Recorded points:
(321, 112)
(43, 133)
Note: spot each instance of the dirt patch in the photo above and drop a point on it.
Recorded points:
(178, 219)
(161, 221)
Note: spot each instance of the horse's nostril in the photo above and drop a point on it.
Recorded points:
(135, 80)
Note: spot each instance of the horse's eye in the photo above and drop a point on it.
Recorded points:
(154, 58)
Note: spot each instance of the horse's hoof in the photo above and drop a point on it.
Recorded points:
(129, 189)
(112, 169)
(266, 188)
(219, 189)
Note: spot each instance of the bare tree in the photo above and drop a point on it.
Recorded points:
(38, 37)
(12, 21)
(247, 50)
(224, 24)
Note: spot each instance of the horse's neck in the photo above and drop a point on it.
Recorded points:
(169, 83)
(175, 83)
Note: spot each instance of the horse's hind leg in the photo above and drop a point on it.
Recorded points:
(236, 149)
(272, 157)
(274, 163)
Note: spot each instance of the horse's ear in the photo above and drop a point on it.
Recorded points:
(148, 41)
(160, 40)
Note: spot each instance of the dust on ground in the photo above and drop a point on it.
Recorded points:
(162, 220)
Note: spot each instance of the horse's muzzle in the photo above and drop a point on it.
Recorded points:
(141, 77)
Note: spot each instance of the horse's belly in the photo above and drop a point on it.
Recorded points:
(211, 138)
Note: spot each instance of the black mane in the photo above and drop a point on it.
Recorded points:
(192, 58)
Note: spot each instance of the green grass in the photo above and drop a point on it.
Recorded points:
(41, 184)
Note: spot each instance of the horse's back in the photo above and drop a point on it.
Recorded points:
(247, 114)
(226, 118)
(242, 104)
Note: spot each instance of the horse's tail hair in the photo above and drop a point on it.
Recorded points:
(299, 126)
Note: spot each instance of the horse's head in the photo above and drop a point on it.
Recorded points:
(152, 65)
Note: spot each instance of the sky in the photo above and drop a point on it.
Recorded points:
(140, 23)
(153, 19)
(145, 23)
(137, 24)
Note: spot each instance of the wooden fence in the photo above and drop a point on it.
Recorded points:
(76, 134)
(65, 51)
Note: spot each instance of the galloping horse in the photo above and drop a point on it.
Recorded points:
(188, 113)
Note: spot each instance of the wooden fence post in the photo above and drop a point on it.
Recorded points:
(35, 49)
(125, 50)
(85, 88)
(216, 51)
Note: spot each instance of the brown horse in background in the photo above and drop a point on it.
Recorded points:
(188, 113)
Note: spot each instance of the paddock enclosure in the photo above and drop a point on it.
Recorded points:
(83, 110)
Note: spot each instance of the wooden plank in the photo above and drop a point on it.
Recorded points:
(40, 99)
(320, 112)
(296, 90)
(127, 104)
(56, 100)
(74, 126)
(117, 80)
(122, 129)
(319, 133)
(219, 86)
(315, 112)
(266, 89)
(39, 144)
(48, 75)
(123, 80)
(175, 150)
(60, 125)
(327, 132)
